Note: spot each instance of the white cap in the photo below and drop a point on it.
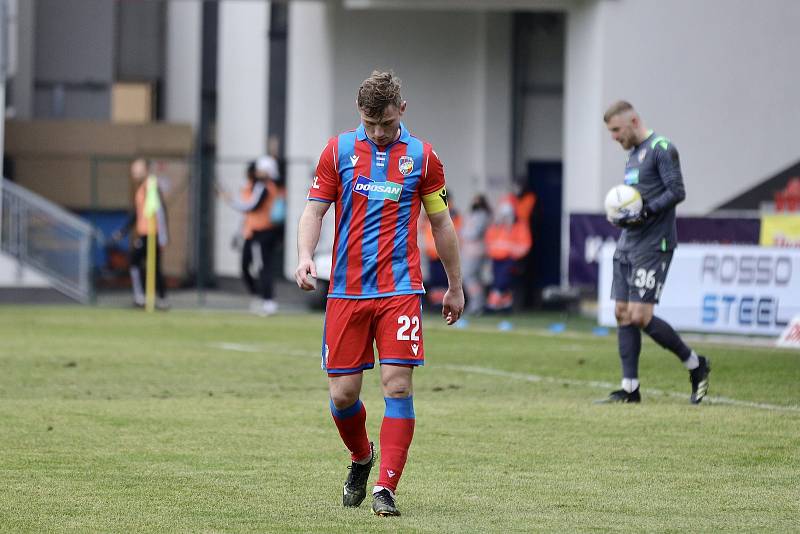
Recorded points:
(268, 166)
(505, 213)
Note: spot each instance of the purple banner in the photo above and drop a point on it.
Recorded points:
(588, 232)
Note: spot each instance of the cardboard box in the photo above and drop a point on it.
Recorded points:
(131, 102)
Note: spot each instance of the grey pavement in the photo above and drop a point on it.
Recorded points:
(227, 297)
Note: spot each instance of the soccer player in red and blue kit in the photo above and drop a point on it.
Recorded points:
(379, 176)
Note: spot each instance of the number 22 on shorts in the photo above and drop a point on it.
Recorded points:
(407, 323)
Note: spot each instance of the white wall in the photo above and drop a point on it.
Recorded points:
(583, 110)
(456, 74)
(21, 56)
(309, 114)
(242, 98)
(12, 274)
(495, 137)
(183, 50)
(455, 69)
(719, 78)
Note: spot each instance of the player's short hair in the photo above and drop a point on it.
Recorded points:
(620, 106)
(379, 91)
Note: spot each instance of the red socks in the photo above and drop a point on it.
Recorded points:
(397, 430)
(352, 425)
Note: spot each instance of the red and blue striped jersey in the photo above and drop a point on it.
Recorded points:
(378, 193)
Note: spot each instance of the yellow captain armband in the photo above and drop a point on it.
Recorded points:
(435, 202)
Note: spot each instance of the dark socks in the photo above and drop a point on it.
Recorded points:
(663, 334)
(629, 338)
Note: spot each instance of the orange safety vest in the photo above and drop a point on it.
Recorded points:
(524, 207)
(508, 241)
(504, 241)
(259, 218)
(141, 220)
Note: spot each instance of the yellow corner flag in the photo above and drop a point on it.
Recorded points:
(152, 203)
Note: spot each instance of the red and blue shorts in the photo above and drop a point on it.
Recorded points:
(393, 323)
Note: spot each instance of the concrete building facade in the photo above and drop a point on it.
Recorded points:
(498, 86)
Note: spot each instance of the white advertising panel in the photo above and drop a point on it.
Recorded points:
(720, 288)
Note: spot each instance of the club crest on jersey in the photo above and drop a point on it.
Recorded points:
(632, 176)
(377, 190)
(406, 165)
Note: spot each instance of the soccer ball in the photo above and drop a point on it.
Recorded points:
(622, 201)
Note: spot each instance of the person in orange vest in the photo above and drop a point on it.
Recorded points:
(261, 234)
(508, 240)
(436, 283)
(139, 171)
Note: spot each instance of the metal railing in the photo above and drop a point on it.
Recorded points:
(47, 238)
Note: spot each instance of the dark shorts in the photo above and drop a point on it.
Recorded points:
(639, 276)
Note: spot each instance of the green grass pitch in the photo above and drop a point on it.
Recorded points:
(119, 421)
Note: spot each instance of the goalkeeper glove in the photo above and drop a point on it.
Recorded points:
(634, 220)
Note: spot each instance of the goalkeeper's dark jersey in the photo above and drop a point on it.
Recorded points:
(654, 169)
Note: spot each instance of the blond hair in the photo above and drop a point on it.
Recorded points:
(620, 106)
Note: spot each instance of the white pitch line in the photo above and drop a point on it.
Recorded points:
(241, 347)
(236, 347)
(606, 385)
(525, 377)
(725, 340)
